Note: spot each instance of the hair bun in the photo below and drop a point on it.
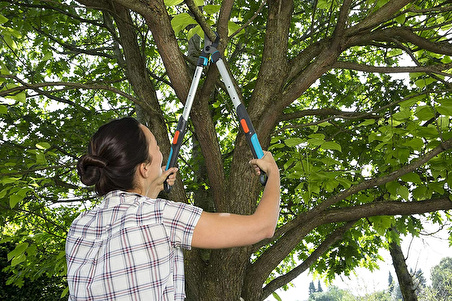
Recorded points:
(90, 168)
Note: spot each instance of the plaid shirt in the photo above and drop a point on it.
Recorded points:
(130, 248)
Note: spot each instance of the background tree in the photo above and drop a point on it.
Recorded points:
(390, 283)
(319, 287)
(359, 151)
(442, 279)
(332, 294)
(311, 288)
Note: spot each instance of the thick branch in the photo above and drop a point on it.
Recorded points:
(385, 208)
(280, 281)
(385, 13)
(327, 112)
(88, 86)
(366, 68)
(401, 34)
(349, 215)
(341, 22)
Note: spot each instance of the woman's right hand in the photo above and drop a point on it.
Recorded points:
(267, 164)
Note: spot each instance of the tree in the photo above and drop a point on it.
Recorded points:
(442, 279)
(311, 288)
(319, 287)
(390, 283)
(332, 294)
(419, 281)
(360, 151)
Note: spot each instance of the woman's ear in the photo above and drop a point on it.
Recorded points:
(143, 170)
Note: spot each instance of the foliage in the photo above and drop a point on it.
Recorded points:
(40, 287)
(359, 150)
(442, 279)
(332, 294)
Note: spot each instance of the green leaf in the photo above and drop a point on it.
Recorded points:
(276, 296)
(18, 250)
(40, 158)
(367, 122)
(18, 259)
(381, 223)
(43, 145)
(420, 193)
(173, 2)
(317, 136)
(444, 122)
(20, 97)
(415, 143)
(438, 187)
(3, 19)
(411, 177)
(401, 19)
(331, 185)
(195, 30)
(424, 113)
(395, 52)
(421, 83)
(9, 180)
(291, 142)
(344, 182)
(181, 21)
(4, 191)
(316, 142)
(403, 192)
(331, 145)
(233, 27)
(65, 292)
(324, 4)
(211, 9)
(445, 109)
(14, 199)
(411, 101)
(18, 196)
(392, 187)
(402, 115)
(10, 42)
(47, 56)
(449, 179)
(3, 109)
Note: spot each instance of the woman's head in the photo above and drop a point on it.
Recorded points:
(114, 153)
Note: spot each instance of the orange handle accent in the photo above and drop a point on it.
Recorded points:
(244, 126)
(176, 136)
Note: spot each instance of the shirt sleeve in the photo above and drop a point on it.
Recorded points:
(180, 220)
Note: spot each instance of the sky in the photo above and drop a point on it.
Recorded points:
(422, 252)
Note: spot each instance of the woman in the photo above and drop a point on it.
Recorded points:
(130, 246)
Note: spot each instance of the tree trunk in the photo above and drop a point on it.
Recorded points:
(404, 277)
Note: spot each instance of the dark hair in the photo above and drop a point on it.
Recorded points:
(114, 153)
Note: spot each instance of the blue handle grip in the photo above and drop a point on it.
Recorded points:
(251, 137)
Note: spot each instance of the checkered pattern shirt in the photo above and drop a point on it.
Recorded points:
(130, 248)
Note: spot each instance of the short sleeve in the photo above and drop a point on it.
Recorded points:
(180, 220)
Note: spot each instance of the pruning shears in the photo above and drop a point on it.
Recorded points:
(210, 54)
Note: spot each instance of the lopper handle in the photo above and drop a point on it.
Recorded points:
(251, 138)
(175, 148)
